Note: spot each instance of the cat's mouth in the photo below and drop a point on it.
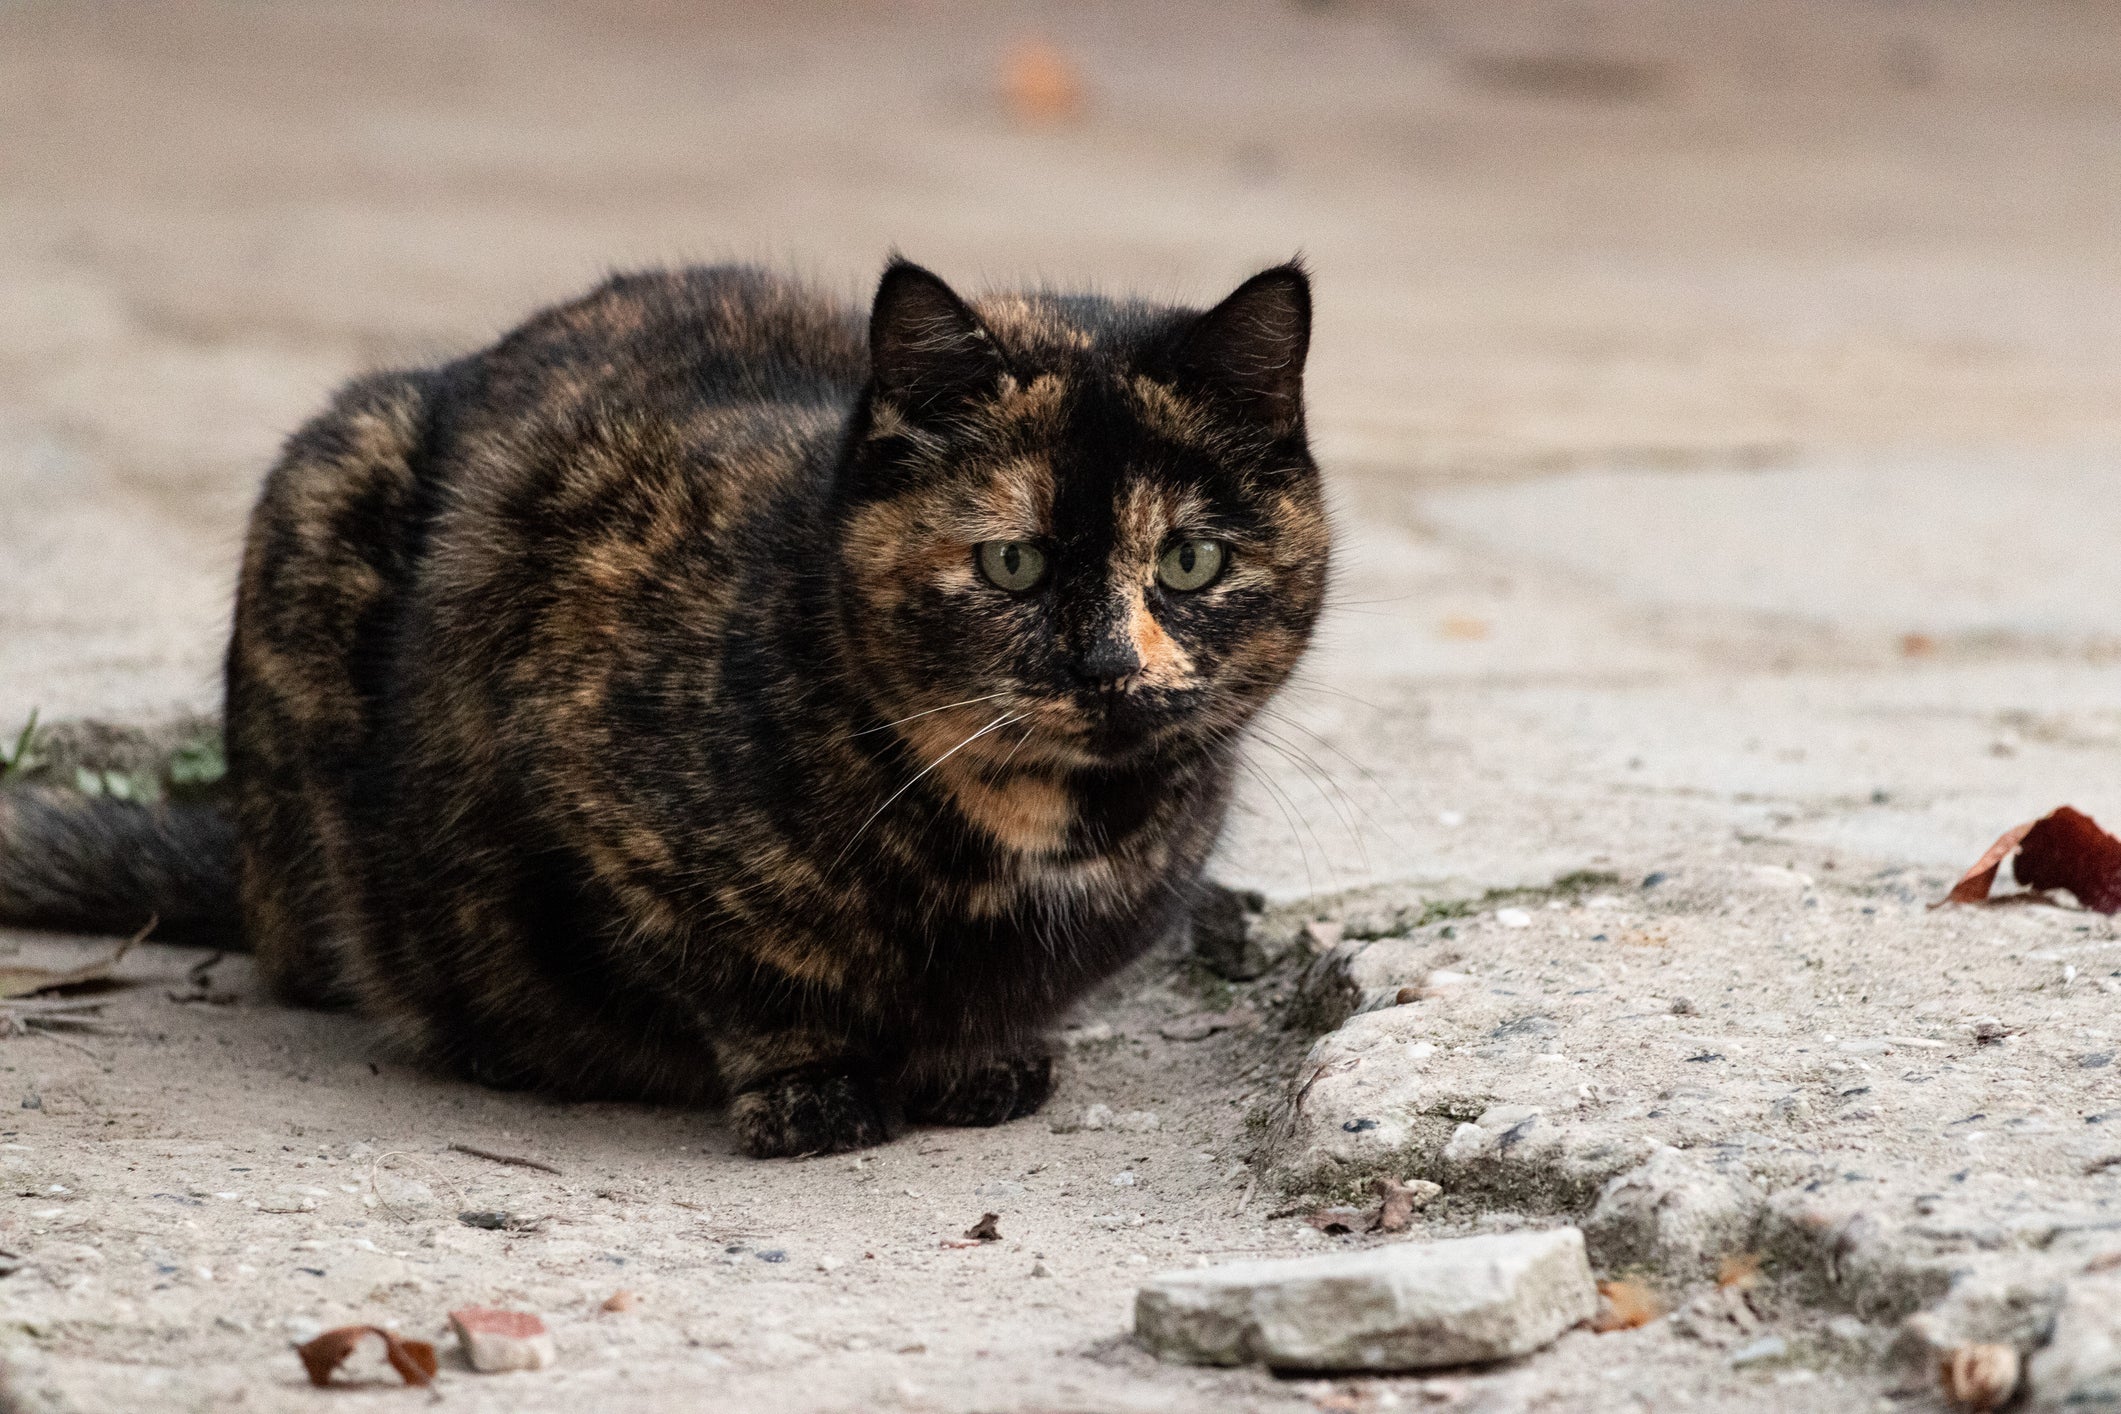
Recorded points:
(1109, 727)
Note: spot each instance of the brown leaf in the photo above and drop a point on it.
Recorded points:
(1739, 1269)
(1624, 1305)
(2064, 849)
(414, 1360)
(985, 1230)
(1336, 1221)
(29, 981)
(1979, 1376)
(1398, 1202)
(1040, 84)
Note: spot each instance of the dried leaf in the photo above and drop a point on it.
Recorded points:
(1979, 1376)
(985, 1230)
(1624, 1305)
(1040, 84)
(2064, 849)
(1336, 1221)
(1399, 1200)
(29, 981)
(1739, 1269)
(414, 1360)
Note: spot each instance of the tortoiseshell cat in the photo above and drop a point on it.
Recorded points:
(690, 698)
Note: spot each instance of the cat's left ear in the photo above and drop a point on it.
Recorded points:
(1251, 347)
(927, 349)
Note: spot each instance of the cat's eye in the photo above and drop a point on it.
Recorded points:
(1190, 564)
(1014, 565)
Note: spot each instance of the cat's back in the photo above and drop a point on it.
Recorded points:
(647, 438)
(676, 342)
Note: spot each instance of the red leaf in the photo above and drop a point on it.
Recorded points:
(414, 1360)
(2065, 849)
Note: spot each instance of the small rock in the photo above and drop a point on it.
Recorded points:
(621, 1301)
(495, 1341)
(1406, 1306)
(1040, 1269)
(1093, 1117)
(1674, 1212)
(1137, 1122)
(1123, 1179)
(1467, 1143)
(1513, 918)
(1768, 1347)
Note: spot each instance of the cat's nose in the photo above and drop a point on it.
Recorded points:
(1110, 661)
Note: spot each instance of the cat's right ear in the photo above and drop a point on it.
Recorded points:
(927, 349)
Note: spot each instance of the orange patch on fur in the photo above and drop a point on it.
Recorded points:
(1163, 662)
(1027, 813)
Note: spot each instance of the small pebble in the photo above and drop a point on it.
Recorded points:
(495, 1341)
(621, 1300)
(1123, 1179)
(1513, 918)
(1768, 1347)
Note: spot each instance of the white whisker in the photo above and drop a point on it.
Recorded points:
(1002, 721)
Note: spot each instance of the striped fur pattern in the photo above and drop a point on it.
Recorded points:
(621, 710)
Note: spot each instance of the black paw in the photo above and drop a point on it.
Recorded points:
(990, 1092)
(810, 1111)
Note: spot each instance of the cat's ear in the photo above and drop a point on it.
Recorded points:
(1251, 347)
(927, 348)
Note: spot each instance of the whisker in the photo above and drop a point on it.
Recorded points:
(1001, 721)
(928, 712)
(1315, 774)
(1361, 770)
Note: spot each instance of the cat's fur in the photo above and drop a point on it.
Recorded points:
(620, 709)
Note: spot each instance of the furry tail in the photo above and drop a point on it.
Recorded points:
(91, 864)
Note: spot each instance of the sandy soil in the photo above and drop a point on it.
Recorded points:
(1721, 409)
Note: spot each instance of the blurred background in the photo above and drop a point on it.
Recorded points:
(1688, 373)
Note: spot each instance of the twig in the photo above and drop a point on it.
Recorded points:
(491, 1157)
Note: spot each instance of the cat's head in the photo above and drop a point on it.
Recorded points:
(1090, 529)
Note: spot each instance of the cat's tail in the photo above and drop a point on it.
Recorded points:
(93, 864)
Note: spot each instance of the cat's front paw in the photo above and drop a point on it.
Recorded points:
(990, 1092)
(808, 1111)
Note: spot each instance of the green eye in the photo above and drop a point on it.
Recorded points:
(1014, 565)
(1190, 564)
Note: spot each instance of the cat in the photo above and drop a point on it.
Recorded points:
(700, 696)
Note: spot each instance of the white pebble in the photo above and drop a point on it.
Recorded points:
(1513, 918)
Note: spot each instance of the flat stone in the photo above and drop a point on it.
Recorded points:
(2079, 1369)
(1407, 1306)
(495, 1341)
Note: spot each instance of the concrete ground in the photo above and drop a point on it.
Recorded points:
(1721, 408)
